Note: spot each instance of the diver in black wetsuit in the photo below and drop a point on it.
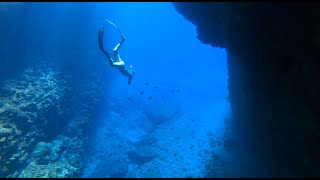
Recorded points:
(116, 61)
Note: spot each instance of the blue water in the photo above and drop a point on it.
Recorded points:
(165, 53)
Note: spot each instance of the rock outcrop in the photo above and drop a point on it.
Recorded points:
(273, 53)
(43, 120)
(33, 108)
(111, 167)
(59, 159)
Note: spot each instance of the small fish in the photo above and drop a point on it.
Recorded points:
(129, 98)
(178, 91)
(191, 146)
(171, 129)
(141, 92)
(147, 83)
(155, 87)
(110, 155)
(175, 154)
(150, 97)
(172, 91)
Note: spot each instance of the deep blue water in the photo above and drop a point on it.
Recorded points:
(165, 53)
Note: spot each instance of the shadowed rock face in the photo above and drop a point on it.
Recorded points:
(274, 84)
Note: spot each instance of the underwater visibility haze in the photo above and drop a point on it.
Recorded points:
(66, 112)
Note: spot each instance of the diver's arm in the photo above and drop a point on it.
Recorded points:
(100, 43)
(129, 80)
(126, 73)
(131, 74)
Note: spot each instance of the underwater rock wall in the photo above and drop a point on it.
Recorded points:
(43, 120)
(32, 109)
(273, 49)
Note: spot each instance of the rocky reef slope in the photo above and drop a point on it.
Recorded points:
(43, 120)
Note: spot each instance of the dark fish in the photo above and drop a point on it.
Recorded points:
(110, 155)
(147, 83)
(150, 97)
(178, 91)
(191, 147)
(129, 98)
(172, 91)
(155, 87)
(142, 92)
(171, 129)
(175, 154)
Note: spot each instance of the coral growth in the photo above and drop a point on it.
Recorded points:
(61, 158)
(29, 104)
(36, 108)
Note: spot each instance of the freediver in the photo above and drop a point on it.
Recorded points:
(116, 61)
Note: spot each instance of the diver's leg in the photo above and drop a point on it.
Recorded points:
(100, 43)
(116, 49)
(100, 37)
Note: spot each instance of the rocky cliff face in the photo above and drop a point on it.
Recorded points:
(43, 120)
(33, 107)
(273, 53)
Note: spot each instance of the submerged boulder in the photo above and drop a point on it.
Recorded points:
(142, 155)
(112, 167)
